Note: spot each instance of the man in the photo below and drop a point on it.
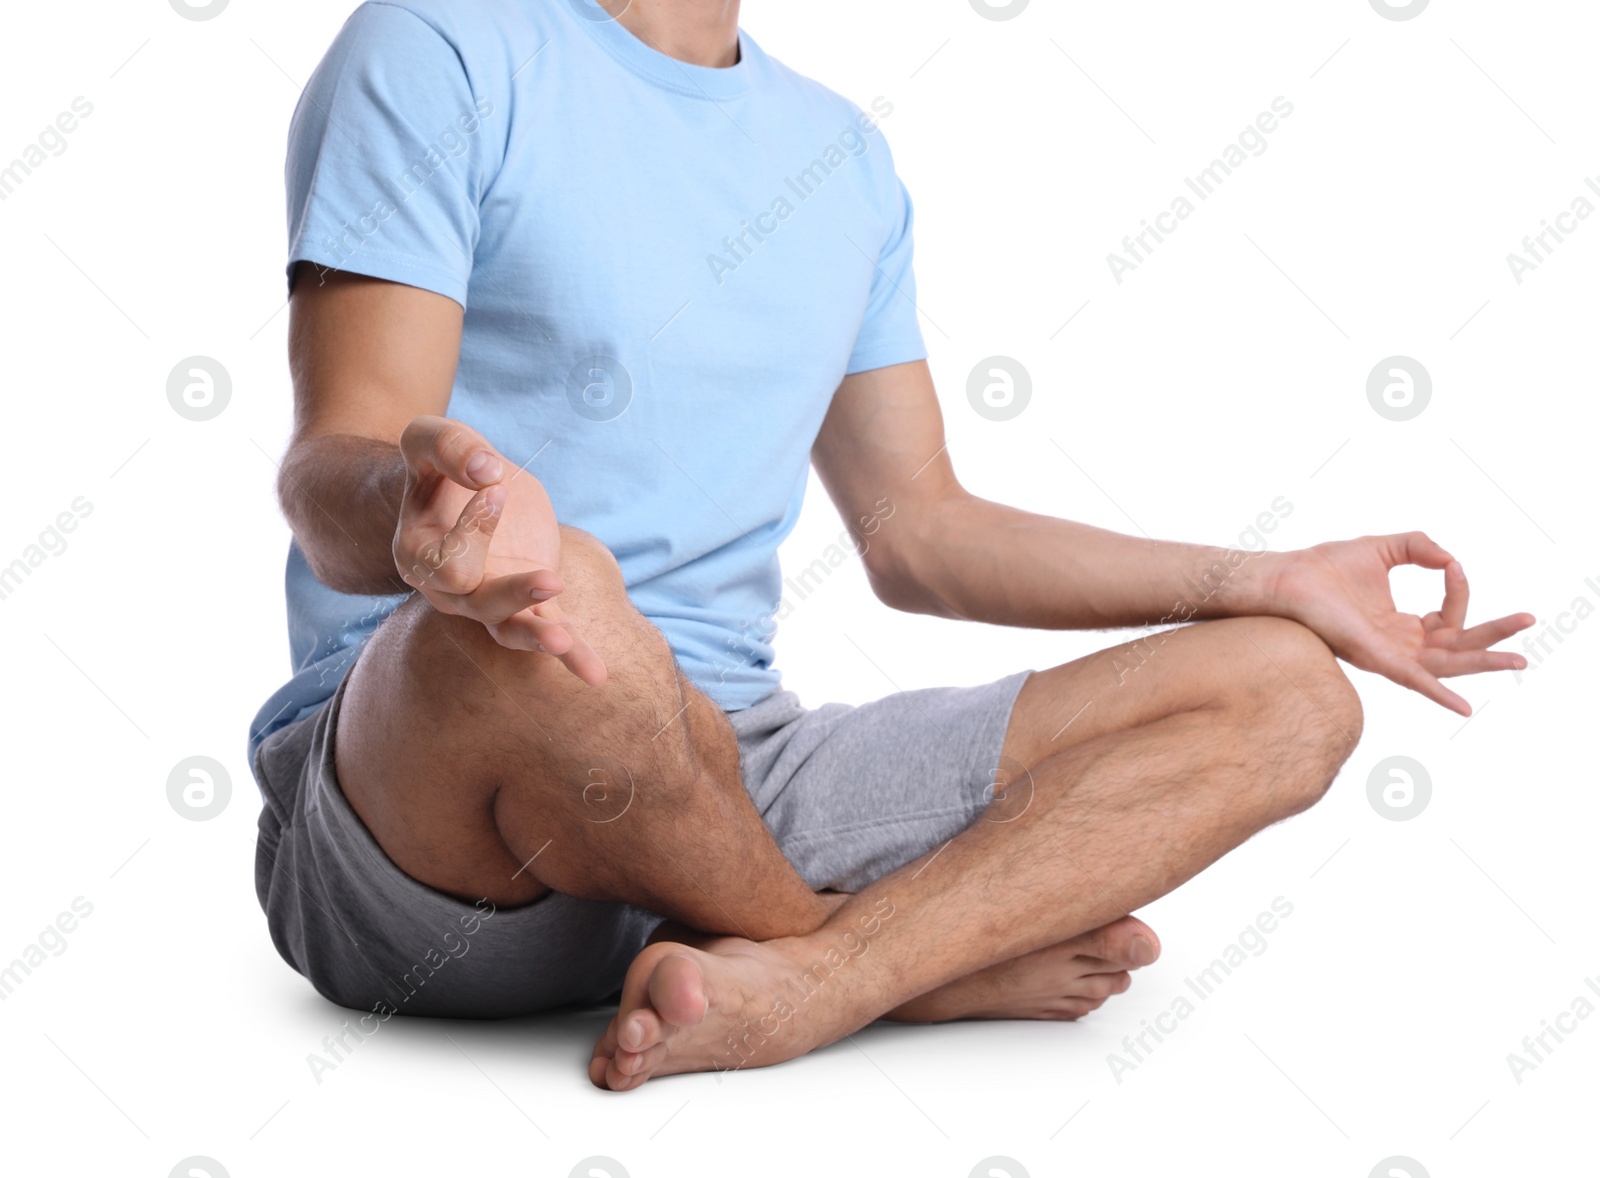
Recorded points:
(577, 294)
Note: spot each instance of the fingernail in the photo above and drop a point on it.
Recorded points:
(483, 467)
(1141, 951)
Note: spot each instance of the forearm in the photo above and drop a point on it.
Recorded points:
(984, 561)
(341, 495)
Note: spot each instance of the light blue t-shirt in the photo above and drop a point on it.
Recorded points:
(667, 269)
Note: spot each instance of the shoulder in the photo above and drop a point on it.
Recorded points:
(833, 118)
(811, 96)
(482, 28)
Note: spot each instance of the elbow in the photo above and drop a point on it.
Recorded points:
(906, 565)
(294, 503)
(345, 577)
(288, 493)
(899, 588)
(335, 576)
(889, 590)
(329, 551)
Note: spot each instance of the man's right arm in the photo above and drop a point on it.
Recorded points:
(385, 495)
(366, 356)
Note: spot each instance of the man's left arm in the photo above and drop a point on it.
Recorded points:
(932, 547)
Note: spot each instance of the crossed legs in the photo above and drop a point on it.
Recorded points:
(1138, 781)
(486, 772)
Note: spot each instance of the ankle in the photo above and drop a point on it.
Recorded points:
(836, 966)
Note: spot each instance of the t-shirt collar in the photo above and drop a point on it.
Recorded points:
(697, 81)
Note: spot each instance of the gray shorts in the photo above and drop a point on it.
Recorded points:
(849, 793)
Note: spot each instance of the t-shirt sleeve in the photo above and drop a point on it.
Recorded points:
(389, 154)
(889, 331)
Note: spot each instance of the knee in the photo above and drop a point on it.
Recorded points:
(594, 600)
(1308, 676)
(638, 722)
(618, 770)
(585, 559)
(1301, 705)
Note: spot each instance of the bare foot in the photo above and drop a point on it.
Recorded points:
(1062, 982)
(725, 1003)
(721, 1004)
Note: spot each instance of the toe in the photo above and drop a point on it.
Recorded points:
(1127, 943)
(604, 1048)
(1143, 946)
(1101, 986)
(641, 1063)
(638, 1023)
(1074, 1008)
(678, 993)
(640, 1030)
(618, 1080)
(1143, 950)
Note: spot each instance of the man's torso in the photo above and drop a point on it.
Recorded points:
(667, 277)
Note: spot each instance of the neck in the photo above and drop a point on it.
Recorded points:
(700, 32)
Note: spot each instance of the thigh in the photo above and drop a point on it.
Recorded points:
(1232, 663)
(370, 937)
(464, 759)
(850, 793)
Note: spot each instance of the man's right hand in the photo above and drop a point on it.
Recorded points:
(478, 537)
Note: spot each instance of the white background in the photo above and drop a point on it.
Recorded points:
(1222, 373)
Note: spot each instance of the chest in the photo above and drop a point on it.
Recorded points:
(684, 232)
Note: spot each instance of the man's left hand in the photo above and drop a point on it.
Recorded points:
(1340, 590)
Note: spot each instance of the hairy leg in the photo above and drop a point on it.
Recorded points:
(489, 772)
(1136, 781)
(485, 772)
(1058, 983)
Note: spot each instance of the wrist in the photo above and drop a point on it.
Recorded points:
(1276, 582)
(1260, 586)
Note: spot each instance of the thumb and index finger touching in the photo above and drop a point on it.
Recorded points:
(438, 448)
(1420, 549)
(450, 559)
